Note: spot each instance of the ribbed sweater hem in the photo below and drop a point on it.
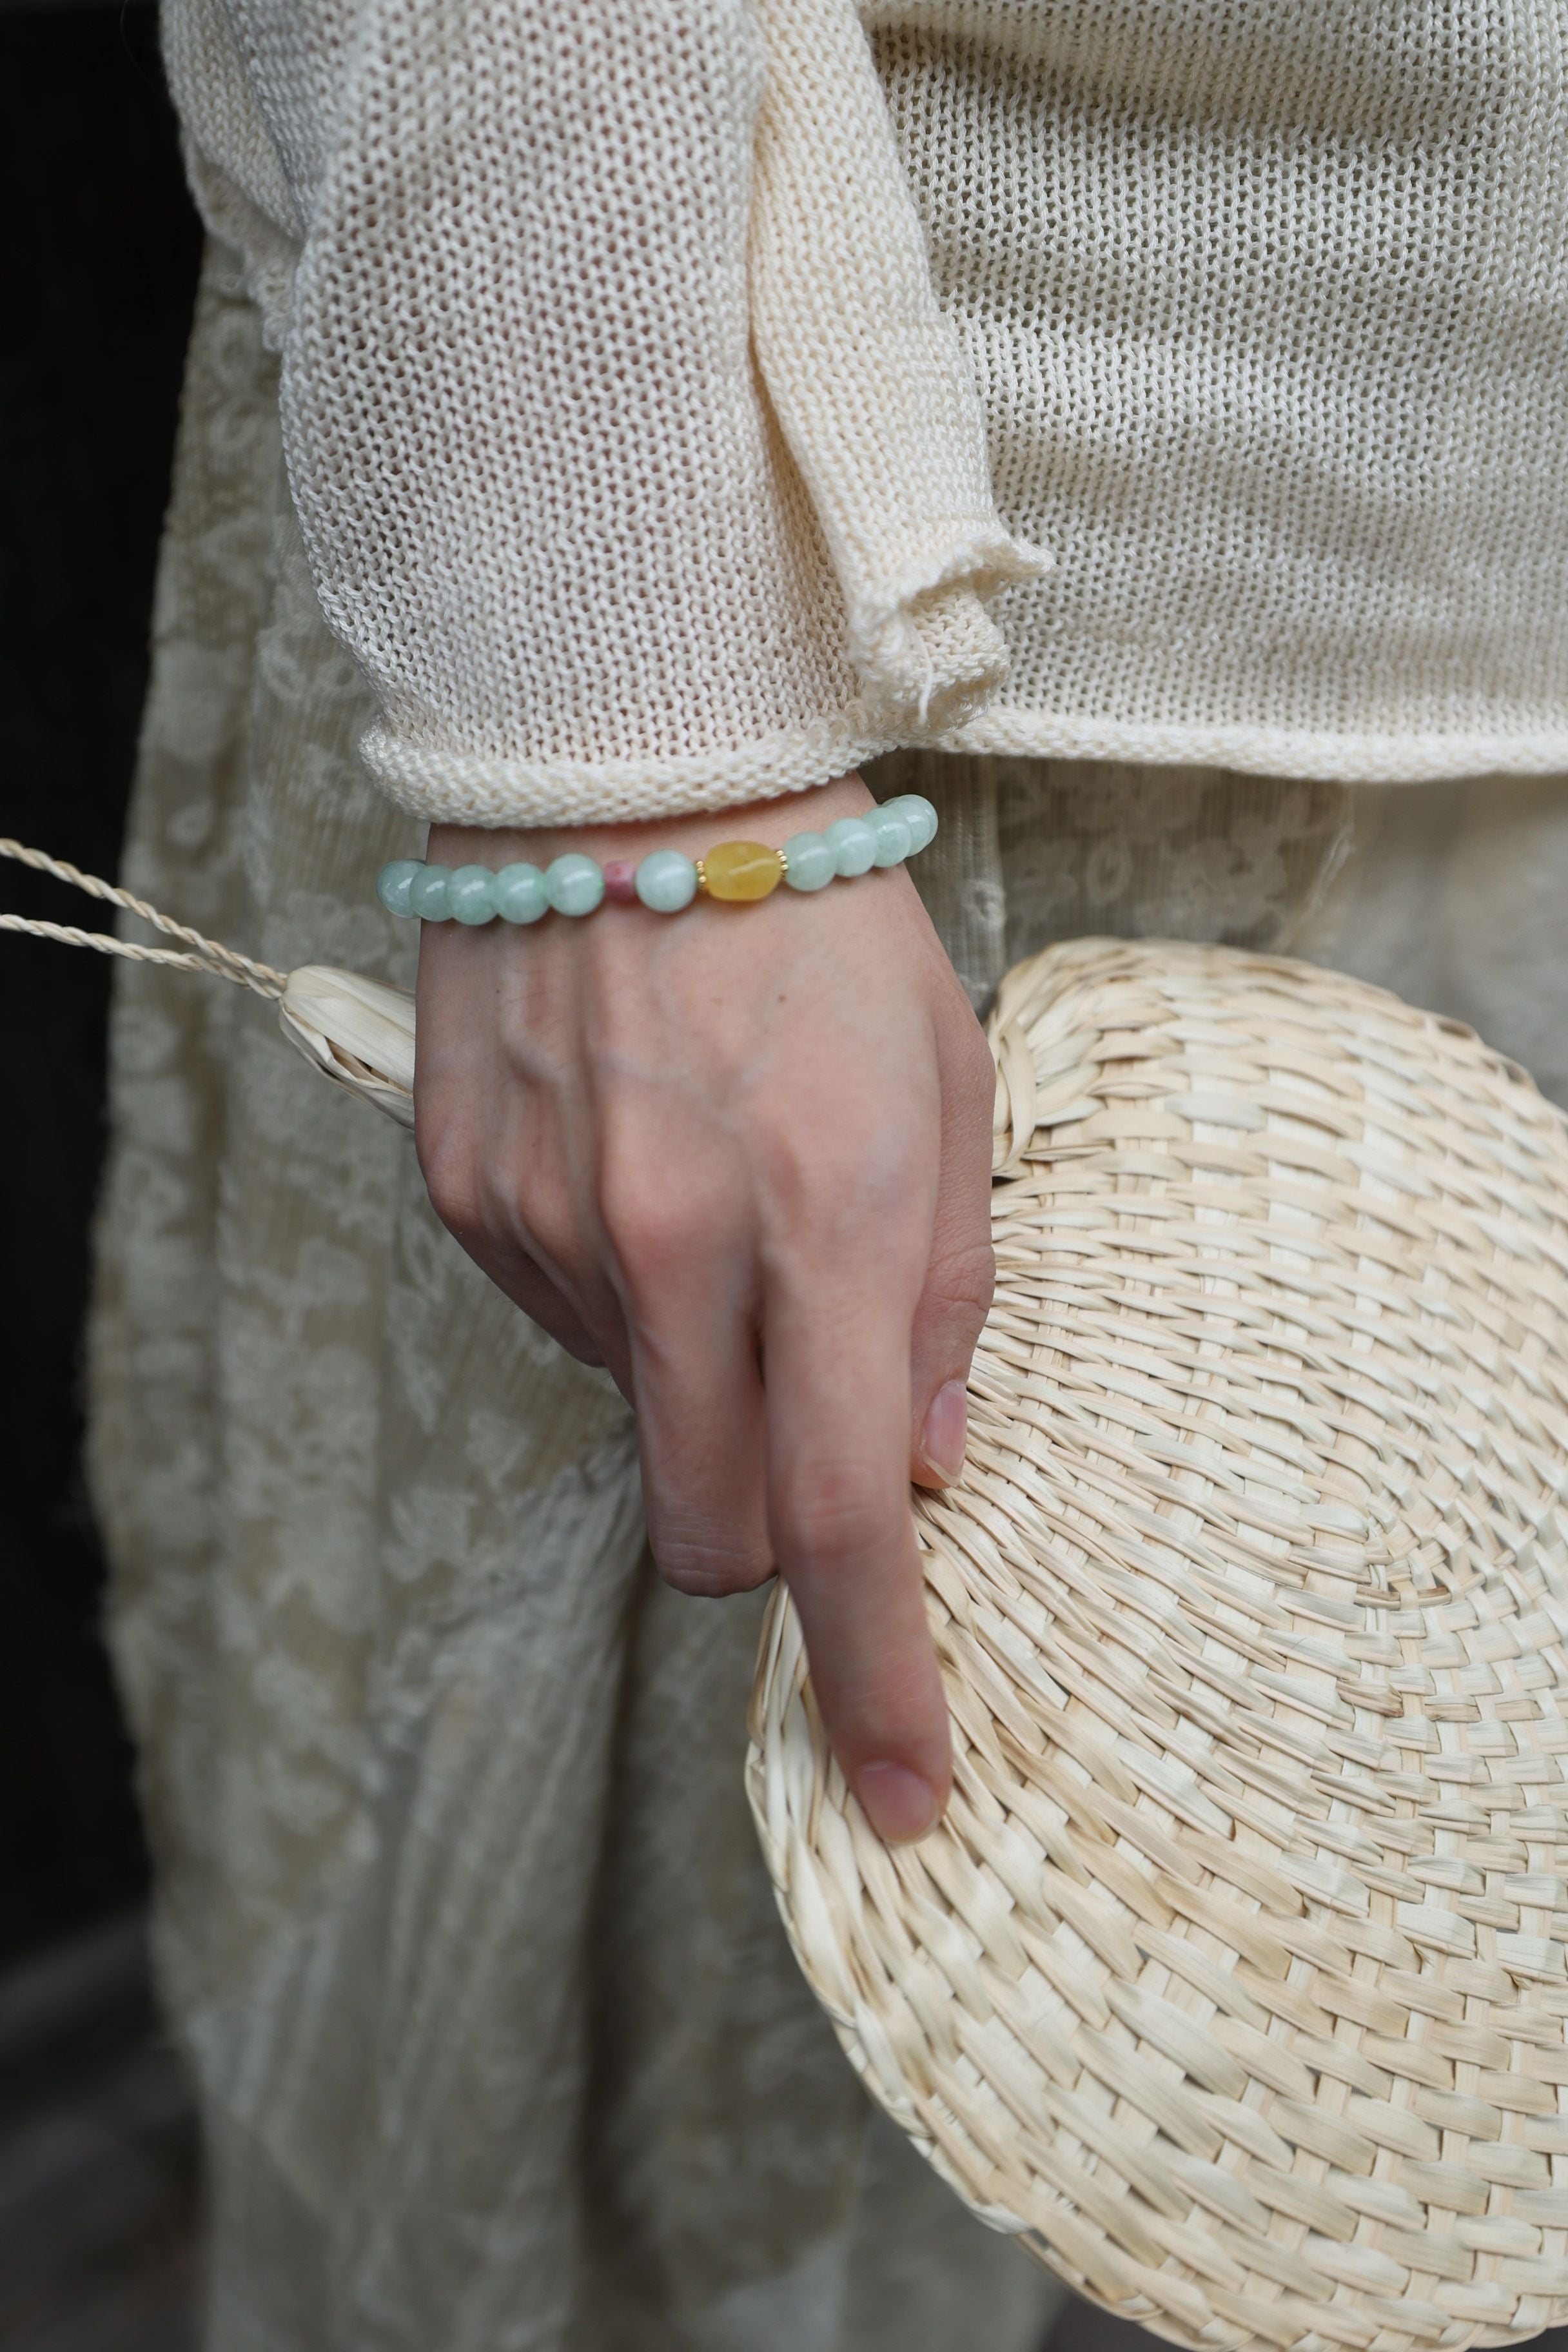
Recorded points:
(467, 788)
(1009, 732)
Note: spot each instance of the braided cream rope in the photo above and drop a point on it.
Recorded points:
(1234, 1981)
(358, 1033)
(206, 955)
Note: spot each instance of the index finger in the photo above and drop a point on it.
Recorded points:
(836, 1374)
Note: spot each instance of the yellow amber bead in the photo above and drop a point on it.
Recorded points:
(742, 869)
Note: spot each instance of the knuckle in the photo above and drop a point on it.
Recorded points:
(842, 1512)
(851, 1197)
(651, 1237)
(965, 1282)
(865, 1166)
(704, 1565)
(655, 1225)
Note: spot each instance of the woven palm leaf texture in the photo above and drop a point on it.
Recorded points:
(1233, 1980)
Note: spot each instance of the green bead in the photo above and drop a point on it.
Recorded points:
(394, 883)
(809, 864)
(666, 881)
(471, 894)
(920, 818)
(853, 843)
(520, 894)
(573, 884)
(894, 835)
(427, 894)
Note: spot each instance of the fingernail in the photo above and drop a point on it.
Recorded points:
(897, 1802)
(946, 1430)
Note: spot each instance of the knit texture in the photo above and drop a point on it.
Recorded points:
(666, 397)
(1268, 309)
(545, 499)
(869, 380)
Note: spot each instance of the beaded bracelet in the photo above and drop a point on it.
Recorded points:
(739, 871)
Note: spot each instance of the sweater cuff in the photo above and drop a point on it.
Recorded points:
(448, 786)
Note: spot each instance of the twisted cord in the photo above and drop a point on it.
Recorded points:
(208, 955)
(107, 944)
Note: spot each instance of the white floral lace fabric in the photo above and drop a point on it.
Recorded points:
(460, 1917)
(1036, 850)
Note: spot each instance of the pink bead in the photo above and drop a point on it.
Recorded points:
(620, 881)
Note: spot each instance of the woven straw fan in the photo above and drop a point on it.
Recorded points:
(1232, 1982)
(1234, 1979)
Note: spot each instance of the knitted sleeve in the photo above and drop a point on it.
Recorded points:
(600, 550)
(546, 506)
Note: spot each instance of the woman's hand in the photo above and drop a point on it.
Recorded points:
(741, 1155)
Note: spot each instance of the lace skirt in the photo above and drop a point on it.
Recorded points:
(459, 1915)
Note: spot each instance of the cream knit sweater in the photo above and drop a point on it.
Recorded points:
(671, 386)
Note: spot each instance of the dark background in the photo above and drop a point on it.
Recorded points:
(99, 2172)
(101, 249)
